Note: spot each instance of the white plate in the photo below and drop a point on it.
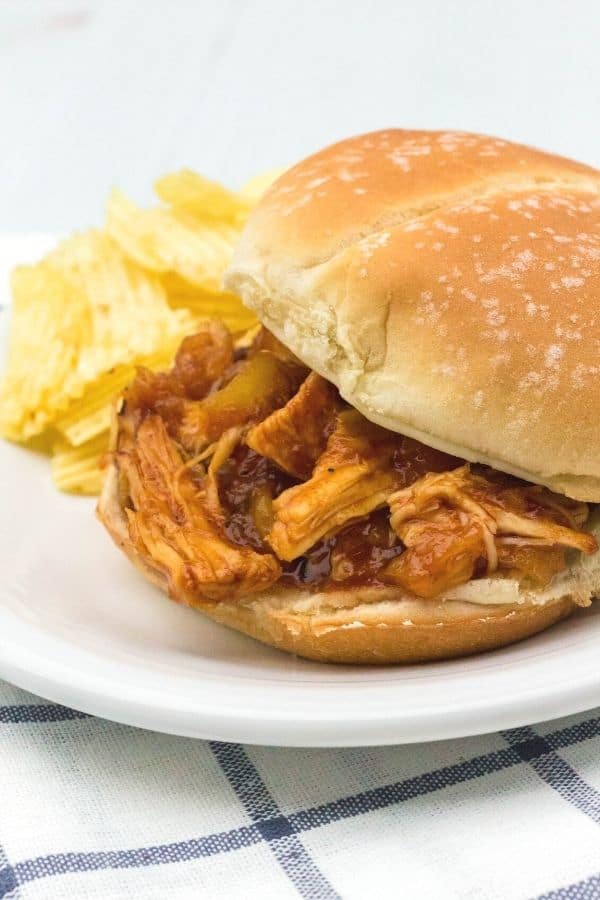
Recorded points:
(78, 625)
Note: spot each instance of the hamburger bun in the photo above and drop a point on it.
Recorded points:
(449, 285)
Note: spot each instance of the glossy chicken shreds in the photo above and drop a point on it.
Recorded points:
(239, 469)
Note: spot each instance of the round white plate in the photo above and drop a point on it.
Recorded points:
(80, 626)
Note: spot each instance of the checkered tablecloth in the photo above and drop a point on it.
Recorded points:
(91, 809)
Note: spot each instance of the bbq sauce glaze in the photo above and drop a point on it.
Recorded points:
(357, 554)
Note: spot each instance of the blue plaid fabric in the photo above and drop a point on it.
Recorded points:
(92, 809)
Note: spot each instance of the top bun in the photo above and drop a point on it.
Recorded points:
(449, 285)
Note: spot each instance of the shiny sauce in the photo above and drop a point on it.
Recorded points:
(357, 554)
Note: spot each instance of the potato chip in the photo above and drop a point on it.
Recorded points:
(188, 192)
(253, 190)
(80, 313)
(204, 304)
(77, 470)
(159, 240)
(90, 414)
(79, 428)
(50, 325)
(104, 302)
(129, 309)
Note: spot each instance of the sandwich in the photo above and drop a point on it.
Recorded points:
(402, 463)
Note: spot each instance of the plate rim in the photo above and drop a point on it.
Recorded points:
(95, 694)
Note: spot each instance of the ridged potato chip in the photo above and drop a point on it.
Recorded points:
(190, 193)
(204, 304)
(253, 190)
(50, 325)
(77, 469)
(107, 300)
(82, 311)
(161, 241)
(90, 414)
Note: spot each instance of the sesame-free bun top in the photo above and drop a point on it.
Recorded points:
(449, 285)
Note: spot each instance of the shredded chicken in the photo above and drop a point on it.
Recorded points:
(170, 524)
(451, 523)
(221, 452)
(295, 436)
(530, 562)
(443, 548)
(353, 476)
(203, 358)
(264, 383)
(207, 453)
(201, 361)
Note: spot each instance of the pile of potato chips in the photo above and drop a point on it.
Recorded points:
(108, 300)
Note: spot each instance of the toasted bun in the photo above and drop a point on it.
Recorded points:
(449, 285)
(383, 625)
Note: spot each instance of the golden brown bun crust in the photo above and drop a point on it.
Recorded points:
(449, 285)
(435, 631)
(354, 626)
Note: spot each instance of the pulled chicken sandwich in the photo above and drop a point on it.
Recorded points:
(402, 462)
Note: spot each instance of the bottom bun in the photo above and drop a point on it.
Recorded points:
(394, 631)
(373, 626)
